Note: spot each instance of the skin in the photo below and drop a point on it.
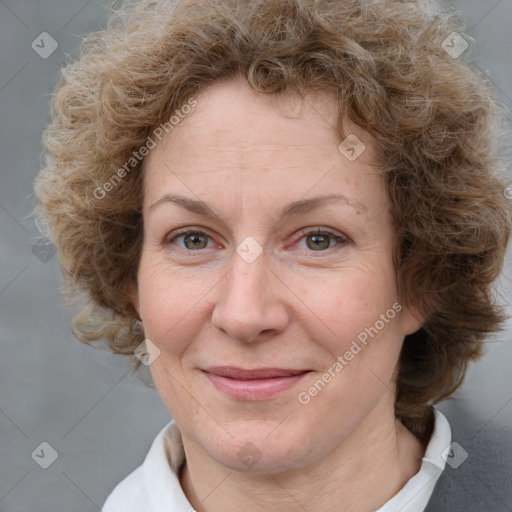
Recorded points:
(295, 306)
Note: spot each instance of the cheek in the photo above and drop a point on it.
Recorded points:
(170, 304)
(348, 300)
(369, 340)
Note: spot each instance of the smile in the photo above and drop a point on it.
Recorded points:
(253, 384)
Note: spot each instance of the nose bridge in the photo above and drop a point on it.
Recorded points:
(249, 300)
(247, 286)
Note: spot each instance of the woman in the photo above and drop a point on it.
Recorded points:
(293, 213)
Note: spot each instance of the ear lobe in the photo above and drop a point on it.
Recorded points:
(133, 294)
(411, 319)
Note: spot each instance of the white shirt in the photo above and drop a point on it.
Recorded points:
(154, 486)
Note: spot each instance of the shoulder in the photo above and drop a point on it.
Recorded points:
(150, 485)
(129, 495)
(478, 471)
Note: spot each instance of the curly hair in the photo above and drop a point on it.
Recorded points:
(436, 124)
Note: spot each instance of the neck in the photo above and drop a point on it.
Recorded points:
(360, 474)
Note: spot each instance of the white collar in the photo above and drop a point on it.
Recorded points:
(415, 494)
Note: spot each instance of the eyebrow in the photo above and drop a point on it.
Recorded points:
(297, 207)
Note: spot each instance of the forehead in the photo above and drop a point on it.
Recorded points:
(233, 106)
(230, 114)
(276, 139)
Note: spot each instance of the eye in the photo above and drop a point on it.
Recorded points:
(316, 240)
(193, 239)
(319, 240)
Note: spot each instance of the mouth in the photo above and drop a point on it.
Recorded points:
(253, 384)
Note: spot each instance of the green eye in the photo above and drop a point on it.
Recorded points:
(193, 240)
(319, 240)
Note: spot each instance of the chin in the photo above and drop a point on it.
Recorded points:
(256, 446)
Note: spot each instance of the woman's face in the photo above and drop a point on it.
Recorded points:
(268, 280)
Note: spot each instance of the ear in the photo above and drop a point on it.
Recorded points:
(133, 295)
(411, 319)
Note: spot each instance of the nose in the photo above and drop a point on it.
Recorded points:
(251, 302)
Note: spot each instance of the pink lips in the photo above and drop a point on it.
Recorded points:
(253, 384)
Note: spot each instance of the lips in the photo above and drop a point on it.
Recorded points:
(253, 384)
(251, 374)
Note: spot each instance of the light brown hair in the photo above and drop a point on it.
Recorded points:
(434, 120)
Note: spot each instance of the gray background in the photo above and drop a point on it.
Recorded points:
(98, 417)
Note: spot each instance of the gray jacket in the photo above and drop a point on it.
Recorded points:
(483, 482)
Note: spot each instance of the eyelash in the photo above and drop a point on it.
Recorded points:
(303, 233)
(340, 239)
